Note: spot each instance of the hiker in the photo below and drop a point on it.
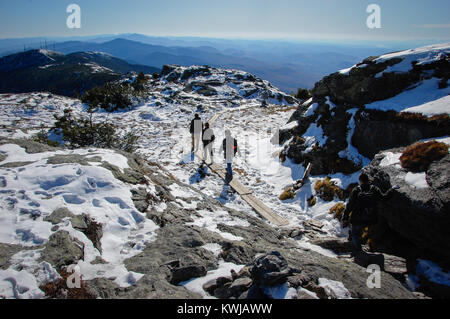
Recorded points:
(264, 103)
(196, 129)
(208, 139)
(230, 149)
(362, 206)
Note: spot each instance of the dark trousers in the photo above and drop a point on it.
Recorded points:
(357, 231)
(229, 176)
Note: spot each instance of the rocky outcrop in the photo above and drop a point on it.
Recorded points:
(207, 81)
(338, 109)
(376, 130)
(415, 220)
(62, 250)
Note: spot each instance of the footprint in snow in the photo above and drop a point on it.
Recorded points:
(96, 203)
(117, 201)
(73, 199)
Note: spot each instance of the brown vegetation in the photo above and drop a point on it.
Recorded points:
(418, 157)
(328, 190)
(59, 289)
(338, 210)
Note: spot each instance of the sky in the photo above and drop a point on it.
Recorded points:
(401, 20)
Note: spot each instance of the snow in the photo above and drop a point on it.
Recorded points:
(439, 106)
(19, 285)
(390, 159)
(211, 220)
(28, 196)
(280, 292)
(424, 98)
(224, 270)
(351, 153)
(422, 56)
(290, 126)
(317, 249)
(416, 180)
(314, 135)
(433, 272)
(311, 110)
(334, 288)
(216, 249)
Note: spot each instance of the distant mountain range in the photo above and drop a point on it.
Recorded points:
(287, 65)
(55, 72)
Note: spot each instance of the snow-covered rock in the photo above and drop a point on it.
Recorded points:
(367, 108)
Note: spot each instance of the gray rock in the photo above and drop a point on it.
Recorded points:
(185, 273)
(240, 285)
(415, 221)
(93, 230)
(214, 284)
(270, 269)
(73, 159)
(62, 250)
(302, 294)
(338, 245)
(223, 292)
(29, 146)
(141, 199)
(16, 164)
(6, 252)
(58, 216)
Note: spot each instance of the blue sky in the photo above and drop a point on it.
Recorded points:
(402, 20)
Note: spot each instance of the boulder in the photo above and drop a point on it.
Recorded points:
(58, 216)
(240, 285)
(62, 250)
(93, 230)
(418, 216)
(185, 273)
(270, 269)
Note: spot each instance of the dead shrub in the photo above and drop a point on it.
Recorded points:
(418, 157)
(338, 210)
(59, 290)
(288, 193)
(312, 201)
(328, 190)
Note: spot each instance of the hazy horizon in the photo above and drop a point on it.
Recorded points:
(326, 21)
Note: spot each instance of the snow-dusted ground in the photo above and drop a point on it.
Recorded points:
(32, 192)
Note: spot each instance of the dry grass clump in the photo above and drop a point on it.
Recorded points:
(338, 210)
(328, 190)
(418, 157)
(288, 193)
(312, 201)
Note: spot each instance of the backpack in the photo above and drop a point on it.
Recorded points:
(365, 208)
(205, 141)
(235, 147)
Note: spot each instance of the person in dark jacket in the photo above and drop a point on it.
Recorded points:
(208, 140)
(230, 148)
(196, 129)
(362, 206)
